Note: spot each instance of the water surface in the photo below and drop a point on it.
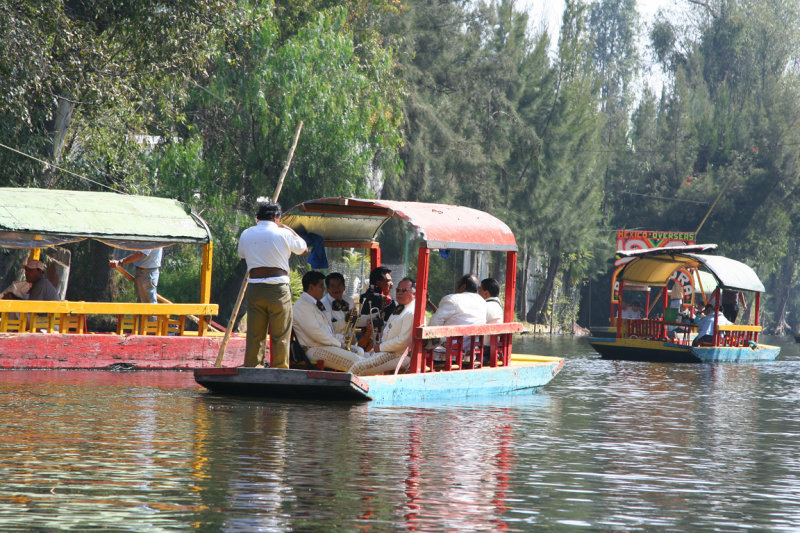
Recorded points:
(607, 446)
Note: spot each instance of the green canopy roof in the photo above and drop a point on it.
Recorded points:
(36, 218)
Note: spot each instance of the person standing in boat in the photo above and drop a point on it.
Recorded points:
(313, 330)
(336, 302)
(148, 265)
(396, 336)
(730, 304)
(267, 247)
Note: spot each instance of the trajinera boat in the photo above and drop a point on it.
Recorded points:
(355, 223)
(665, 336)
(56, 334)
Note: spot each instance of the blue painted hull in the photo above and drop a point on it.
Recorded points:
(520, 377)
(667, 352)
(517, 378)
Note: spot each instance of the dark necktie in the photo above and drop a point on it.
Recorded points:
(340, 305)
(398, 309)
(320, 306)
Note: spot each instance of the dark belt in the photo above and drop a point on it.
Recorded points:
(267, 272)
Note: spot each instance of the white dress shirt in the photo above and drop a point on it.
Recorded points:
(398, 332)
(461, 308)
(494, 315)
(268, 245)
(494, 310)
(338, 318)
(311, 326)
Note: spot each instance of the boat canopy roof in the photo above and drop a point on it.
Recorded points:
(653, 266)
(37, 218)
(441, 226)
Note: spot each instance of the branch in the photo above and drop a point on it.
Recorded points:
(705, 4)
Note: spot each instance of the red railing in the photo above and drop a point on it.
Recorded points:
(657, 329)
(450, 352)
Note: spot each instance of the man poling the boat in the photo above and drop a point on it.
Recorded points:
(266, 247)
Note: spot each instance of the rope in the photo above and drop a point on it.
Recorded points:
(51, 165)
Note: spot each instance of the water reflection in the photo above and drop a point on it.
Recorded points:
(619, 446)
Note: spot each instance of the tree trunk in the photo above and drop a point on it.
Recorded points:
(61, 121)
(785, 282)
(537, 313)
(101, 285)
(522, 283)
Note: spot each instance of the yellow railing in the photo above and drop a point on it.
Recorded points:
(25, 316)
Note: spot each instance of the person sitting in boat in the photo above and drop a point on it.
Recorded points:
(490, 292)
(633, 311)
(705, 330)
(336, 302)
(396, 336)
(378, 296)
(40, 287)
(313, 329)
(464, 307)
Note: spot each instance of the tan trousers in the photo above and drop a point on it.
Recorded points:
(268, 305)
(378, 364)
(333, 356)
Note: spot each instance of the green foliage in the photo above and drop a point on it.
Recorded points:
(454, 101)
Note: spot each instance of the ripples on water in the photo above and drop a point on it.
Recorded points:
(609, 446)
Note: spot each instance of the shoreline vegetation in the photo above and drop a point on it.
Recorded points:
(467, 103)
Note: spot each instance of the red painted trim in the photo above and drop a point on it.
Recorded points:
(619, 309)
(374, 258)
(99, 351)
(423, 261)
(434, 332)
(511, 286)
(217, 371)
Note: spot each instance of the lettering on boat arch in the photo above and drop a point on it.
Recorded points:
(637, 240)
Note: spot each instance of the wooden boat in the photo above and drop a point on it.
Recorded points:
(658, 339)
(55, 334)
(354, 223)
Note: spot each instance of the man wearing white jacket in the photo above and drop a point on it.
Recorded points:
(313, 328)
(396, 337)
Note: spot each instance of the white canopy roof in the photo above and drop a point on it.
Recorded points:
(653, 266)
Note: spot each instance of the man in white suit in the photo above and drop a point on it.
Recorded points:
(336, 302)
(313, 330)
(396, 336)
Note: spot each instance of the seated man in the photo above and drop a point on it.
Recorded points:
(705, 330)
(336, 302)
(396, 337)
(378, 295)
(313, 329)
(40, 286)
(490, 292)
(464, 307)
(633, 311)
